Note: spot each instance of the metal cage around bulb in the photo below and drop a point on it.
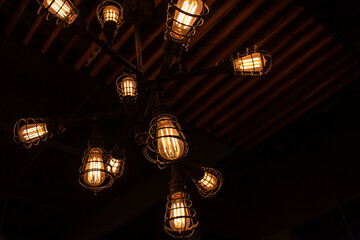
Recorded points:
(160, 135)
(126, 87)
(64, 10)
(180, 218)
(31, 131)
(110, 11)
(209, 183)
(182, 21)
(115, 166)
(93, 173)
(255, 62)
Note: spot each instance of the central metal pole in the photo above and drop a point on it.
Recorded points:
(138, 46)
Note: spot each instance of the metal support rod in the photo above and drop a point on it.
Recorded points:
(138, 49)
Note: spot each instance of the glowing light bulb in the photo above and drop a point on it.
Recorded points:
(208, 182)
(94, 169)
(128, 87)
(32, 132)
(114, 165)
(111, 13)
(61, 9)
(251, 63)
(183, 22)
(169, 147)
(180, 218)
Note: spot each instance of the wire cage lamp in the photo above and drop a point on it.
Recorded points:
(116, 161)
(126, 86)
(64, 10)
(207, 180)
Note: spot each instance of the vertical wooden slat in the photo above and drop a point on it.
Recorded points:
(16, 16)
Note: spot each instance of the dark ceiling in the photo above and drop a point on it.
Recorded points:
(286, 143)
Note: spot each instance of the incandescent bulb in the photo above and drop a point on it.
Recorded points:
(128, 87)
(208, 182)
(32, 132)
(61, 9)
(169, 146)
(111, 13)
(180, 218)
(183, 22)
(253, 63)
(114, 165)
(94, 169)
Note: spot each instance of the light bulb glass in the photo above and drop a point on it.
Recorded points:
(114, 165)
(111, 13)
(128, 87)
(94, 169)
(180, 218)
(61, 9)
(208, 182)
(32, 132)
(251, 62)
(169, 146)
(183, 22)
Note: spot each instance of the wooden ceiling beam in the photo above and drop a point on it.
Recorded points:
(33, 28)
(277, 64)
(227, 87)
(310, 104)
(291, 66)
(16, 16)
(227, 50)
(310, 87)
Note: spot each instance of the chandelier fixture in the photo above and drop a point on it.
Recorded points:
(164, 143)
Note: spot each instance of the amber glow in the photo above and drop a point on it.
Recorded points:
(114, 166)
(61, 9)
(208, 182)
(32, 132)
(128, 87)
(111, 13)
(94, 169)
(251, 62)
(179, 213)
(170, 148)
(183, 22)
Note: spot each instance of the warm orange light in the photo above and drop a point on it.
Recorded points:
(114, 166)
(179, 213)
(61, 9)
(111, 13)
(169, 147)
(128, 87)
(32, 132)
(208, 182)
(183, 22)
(251, 62)
(94, 169)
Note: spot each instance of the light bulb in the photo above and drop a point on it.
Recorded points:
(250, 63)
(94, 169)
(111, 13)
(208, 182)
(183, 22)
(61, 9)
(32, 132)
(114, 165)
(180, 217)
(128, 87)
(169, 146)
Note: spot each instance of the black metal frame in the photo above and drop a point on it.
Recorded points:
(68, 20)
(126, 98)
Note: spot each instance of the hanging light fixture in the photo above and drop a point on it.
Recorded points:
(126, 86)
(183, 17)
(116, 162)
(110, 15)
(93, 174)
(207, 180)
(166, 142)
(30, 131)
(63, 10)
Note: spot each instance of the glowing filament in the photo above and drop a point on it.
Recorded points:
(183, 22)
(114, 166)
(251, 62)
(61, 9)
(32, 132)
(94, 169)
(111, 13)
(169, 146)
(128, 87)
(208, 182)
(179, 213)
